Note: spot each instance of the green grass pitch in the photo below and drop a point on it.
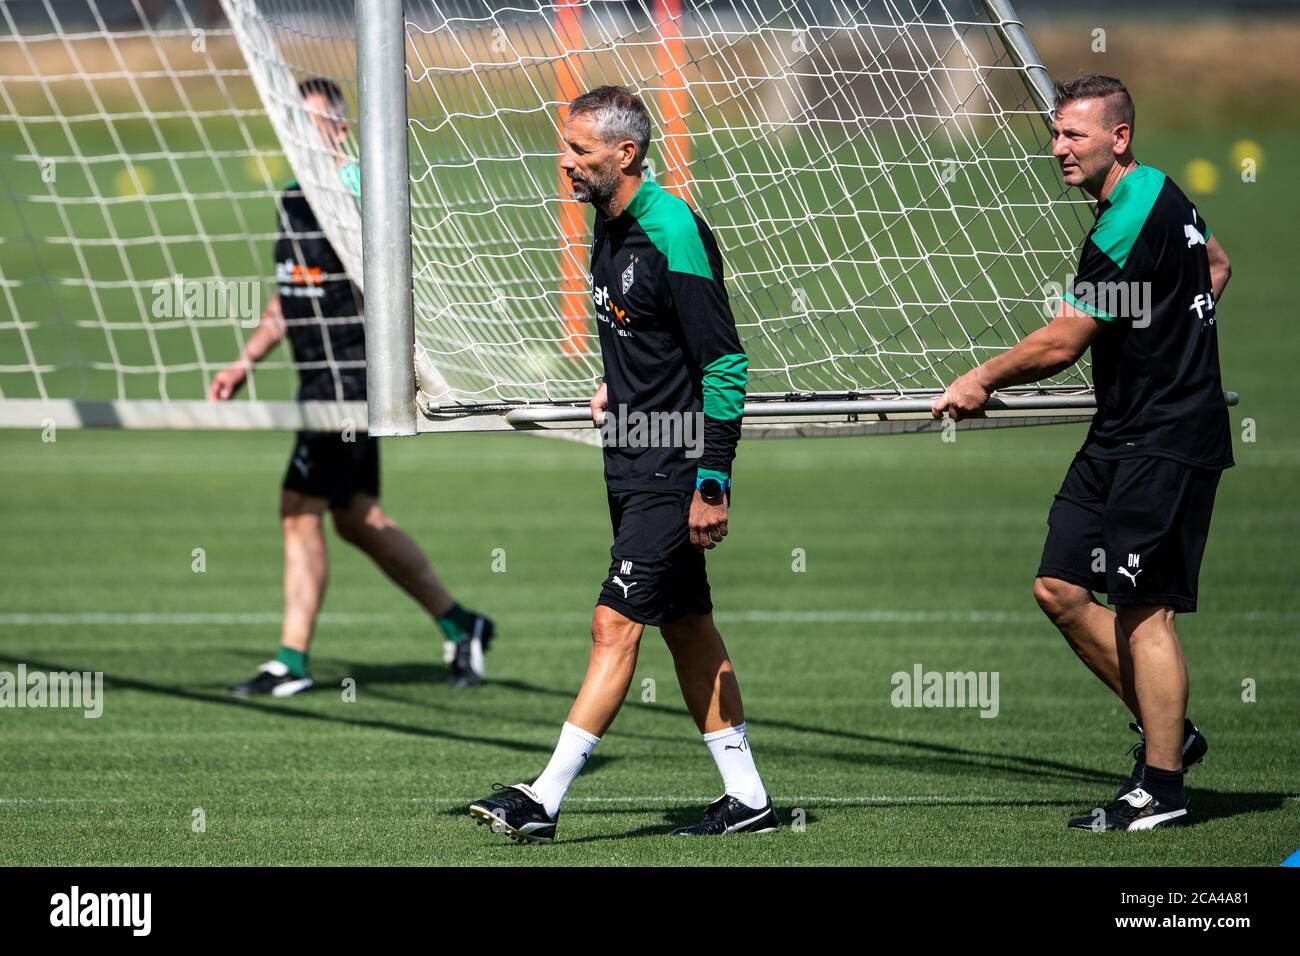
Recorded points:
(917, 551)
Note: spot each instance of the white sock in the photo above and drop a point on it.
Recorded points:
(730, 749)
(570, 756)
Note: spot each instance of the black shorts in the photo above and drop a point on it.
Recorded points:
(325, 465)
(655, 574)
(1134, 528)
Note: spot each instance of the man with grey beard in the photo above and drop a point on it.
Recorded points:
(669, 344)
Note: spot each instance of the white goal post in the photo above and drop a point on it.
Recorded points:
(882, 161)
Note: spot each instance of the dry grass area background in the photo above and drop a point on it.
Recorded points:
(1201, 72)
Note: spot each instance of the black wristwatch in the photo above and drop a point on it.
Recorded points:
(712, 490)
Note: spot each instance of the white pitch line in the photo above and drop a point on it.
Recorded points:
(777, 799)
(883, 616)
(12, 800)
(115, 619)
(456, 801)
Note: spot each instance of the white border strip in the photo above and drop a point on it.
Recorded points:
(201, 416)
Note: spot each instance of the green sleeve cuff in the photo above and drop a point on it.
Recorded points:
(724, 387)
(702, 473)
(1085, 307)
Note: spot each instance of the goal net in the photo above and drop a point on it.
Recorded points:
(876, 174)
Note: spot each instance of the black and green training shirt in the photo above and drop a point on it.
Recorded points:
(1144, 272)
(668, 340)
(322, 308)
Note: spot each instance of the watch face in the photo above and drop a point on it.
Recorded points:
(711, 489)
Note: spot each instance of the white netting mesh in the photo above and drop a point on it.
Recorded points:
(875, 173)
(134, 151)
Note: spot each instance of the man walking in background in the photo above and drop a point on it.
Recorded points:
(319, 310)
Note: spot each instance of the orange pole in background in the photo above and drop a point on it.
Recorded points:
(575, 284)
(673, 99)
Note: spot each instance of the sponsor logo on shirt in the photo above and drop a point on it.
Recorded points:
(607, 311)
(297, 280)
(1203, 306)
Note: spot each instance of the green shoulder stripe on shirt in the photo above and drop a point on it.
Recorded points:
(1130, 205)
(670, 225)
(1085, 307)
(724, 387)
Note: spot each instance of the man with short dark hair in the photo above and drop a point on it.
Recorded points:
(1133, 514)
(671, 355)
(318, 309)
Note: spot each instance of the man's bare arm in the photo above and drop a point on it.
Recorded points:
(270, 330)
(267, 335)
(1220, 267)
(1040, 354)
(1043, 352)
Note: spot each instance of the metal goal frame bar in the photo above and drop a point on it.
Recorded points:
(390, 330)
